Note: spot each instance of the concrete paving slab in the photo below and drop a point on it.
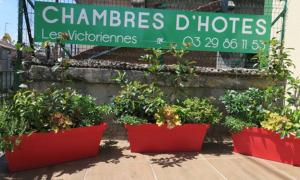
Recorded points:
(130, 171)
(115, 162)
(247, 168)
(182, 167)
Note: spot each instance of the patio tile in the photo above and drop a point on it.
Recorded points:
(70, 170)
(180, 167)
(289, 170)
(115, 161)
(130, 171)
(218, 150)
(246, 168)
(118, 151)
(35, 174)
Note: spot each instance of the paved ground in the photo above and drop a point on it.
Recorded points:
(116, 162)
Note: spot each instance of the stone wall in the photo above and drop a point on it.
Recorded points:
(96, 78)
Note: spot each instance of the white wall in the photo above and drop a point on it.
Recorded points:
(292, 36)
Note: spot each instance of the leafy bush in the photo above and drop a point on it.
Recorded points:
(132, 120)
(294, 115)
(277, 64)
(278, 123)
(168, 116)
(52, 110)
(139, 100)
(286, 124)
(196, 110)
(247, 105)
(235, 125)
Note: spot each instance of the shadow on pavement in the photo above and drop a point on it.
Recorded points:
(110, 152)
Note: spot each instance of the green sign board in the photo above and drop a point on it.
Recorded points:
(151, 28)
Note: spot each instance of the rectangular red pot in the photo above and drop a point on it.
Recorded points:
(267, 144)
(48, 148)
(152, 138)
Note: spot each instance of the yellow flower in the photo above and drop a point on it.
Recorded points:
(168, 116)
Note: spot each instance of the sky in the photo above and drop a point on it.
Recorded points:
(9, 14)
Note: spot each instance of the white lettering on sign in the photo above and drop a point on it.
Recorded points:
(99, 17)
(234, 21)
(45, 13)
(261, 24)
(153, 20)
(83, 16)
(129, 18)
(186, 22)
(224, 23)
(158, 21)
(246, 28)
(69, 16)
(203, 24)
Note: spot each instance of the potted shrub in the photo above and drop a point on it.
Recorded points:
(45, 128)
(153, 125)
(259, 132)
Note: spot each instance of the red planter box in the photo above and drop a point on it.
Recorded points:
(267, 144)
(152, 138)
(42, 149)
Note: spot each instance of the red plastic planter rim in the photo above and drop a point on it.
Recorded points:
(43, 149)
(152, 138)
(262, 143)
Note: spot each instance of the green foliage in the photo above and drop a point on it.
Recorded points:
(274, 97)
(293, 93)
(278, 123)
(121, 78)
(167, 116)
(132, 120)
(236, 125)
(61, 66)
(247, 106)
(183, 69)
(52, 110)
(196, 110)
(294, 116)
(140, 100)
(154, 59)
(277, 63)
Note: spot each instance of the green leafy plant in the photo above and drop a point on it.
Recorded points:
(274, 97)
(132, 120)
(52, 110)
(293, 125)
(293, 93)
(140, 100)
(182, 70)
(277, 64)
(294, 115)
(278, 123)
(197, 110)
(154, 59)
(235, 125)
(284, 118)
(247, 105)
